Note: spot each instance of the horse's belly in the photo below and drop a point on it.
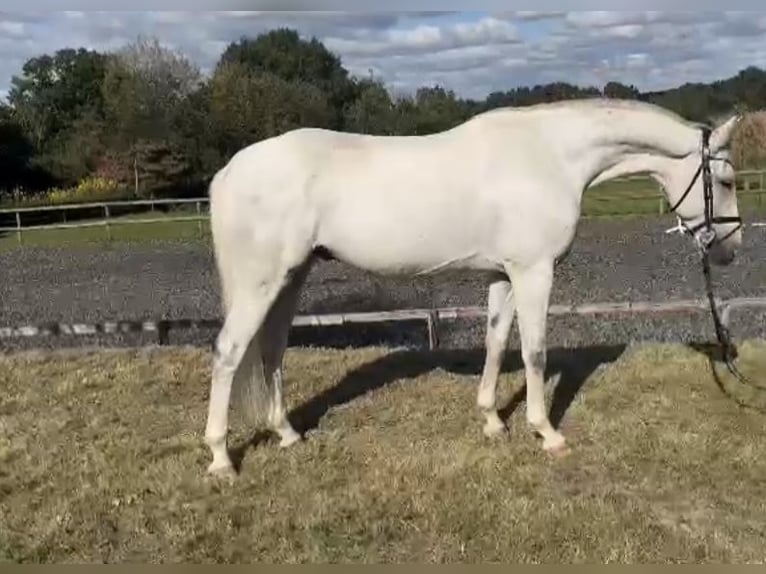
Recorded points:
(388, 261)
(391, 248)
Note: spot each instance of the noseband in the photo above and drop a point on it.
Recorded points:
(705, 236)
(708, 237)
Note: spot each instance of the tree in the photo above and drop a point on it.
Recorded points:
(432, 110)
(51, 96)
(284, 54)
(196, 133)
(372, 112)
(17, 169)
(248, 106)
(621, 91)
(144, 89)
(75, 153)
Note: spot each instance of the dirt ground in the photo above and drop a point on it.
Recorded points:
(102, 460)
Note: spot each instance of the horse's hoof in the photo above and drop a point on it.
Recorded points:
(226, 472)
(557, 448)
(289, 438)
(495, 430)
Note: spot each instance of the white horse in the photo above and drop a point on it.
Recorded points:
(499, 193)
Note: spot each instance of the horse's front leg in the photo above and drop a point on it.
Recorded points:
(532, 288)
(500, 311)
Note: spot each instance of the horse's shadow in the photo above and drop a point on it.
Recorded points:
(573, 365)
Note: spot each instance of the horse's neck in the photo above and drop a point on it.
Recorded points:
(620, 142)
(633, 164)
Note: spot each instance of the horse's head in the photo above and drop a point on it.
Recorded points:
(701, 190)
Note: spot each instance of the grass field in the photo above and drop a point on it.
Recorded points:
(101, 459)
(641, 196)
(159, 229)
(615, 198)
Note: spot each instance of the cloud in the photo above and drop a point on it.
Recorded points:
(424, 38)
(472, 54)
(531, 15)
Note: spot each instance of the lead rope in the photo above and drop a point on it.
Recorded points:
(704, 240)
(728, 350)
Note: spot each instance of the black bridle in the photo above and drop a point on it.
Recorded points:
(705, 237)
(708, 237)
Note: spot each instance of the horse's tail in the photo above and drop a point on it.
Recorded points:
(252, 391)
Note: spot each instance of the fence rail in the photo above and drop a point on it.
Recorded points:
(109, 221)
(431, 317)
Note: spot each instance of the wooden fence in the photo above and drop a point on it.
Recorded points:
(108, 221)
(431, 317)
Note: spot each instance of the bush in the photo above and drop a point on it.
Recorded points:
(89, 189)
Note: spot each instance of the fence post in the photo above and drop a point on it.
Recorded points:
(662, 206)
(106, 223)
(199, 221)
(18, 227)
(433, 335)
(163, 330)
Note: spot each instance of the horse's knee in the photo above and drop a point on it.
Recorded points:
(535, 361)
(225, 352)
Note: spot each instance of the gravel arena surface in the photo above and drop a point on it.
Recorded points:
(611, 260)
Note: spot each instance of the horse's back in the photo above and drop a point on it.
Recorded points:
(319, 167)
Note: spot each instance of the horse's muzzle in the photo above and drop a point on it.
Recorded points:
(722, 253)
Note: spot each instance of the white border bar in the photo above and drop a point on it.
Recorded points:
(430, 316)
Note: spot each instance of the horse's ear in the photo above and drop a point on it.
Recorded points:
(720, 138)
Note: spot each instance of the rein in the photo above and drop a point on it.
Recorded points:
(705, 240)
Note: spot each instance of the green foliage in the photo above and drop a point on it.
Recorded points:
(621, 91)
(372, 112)
(437, 109)
(284, 54)
(703, 102)
(74, 153)
(16, 155)
(53, 91)
(145, 118)
(145, 89)
(526, 96)
(249, 106)
(91, 188)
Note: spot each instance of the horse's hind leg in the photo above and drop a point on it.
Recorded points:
(244, 319)
(532, 287)
(274, 337)
(500, 311)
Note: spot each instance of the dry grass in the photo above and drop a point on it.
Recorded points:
(748, 149)
(101, 459)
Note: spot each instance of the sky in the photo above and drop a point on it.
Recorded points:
(472, 53)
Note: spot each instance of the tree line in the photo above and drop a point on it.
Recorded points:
(145, 116)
